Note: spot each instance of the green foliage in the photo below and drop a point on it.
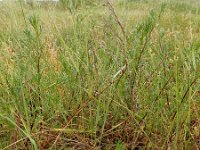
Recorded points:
(65, 83)
(119, 146)
(73, 5)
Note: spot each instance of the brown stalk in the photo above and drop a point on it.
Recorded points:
(183, 98)
(110, 6)
(16, 130)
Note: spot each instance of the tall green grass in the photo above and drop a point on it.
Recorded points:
(106, 76)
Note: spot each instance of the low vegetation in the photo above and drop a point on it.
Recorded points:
(95, 74)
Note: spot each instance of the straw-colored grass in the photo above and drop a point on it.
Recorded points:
(100, 75)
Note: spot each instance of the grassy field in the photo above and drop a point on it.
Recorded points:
(89, 74)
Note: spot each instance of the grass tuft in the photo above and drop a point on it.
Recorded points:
(100, 75)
